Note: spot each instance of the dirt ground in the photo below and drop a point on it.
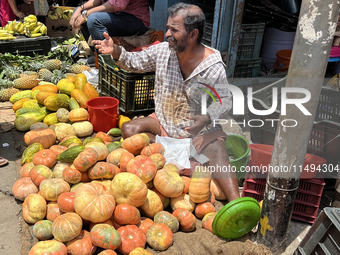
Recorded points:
(15, 233)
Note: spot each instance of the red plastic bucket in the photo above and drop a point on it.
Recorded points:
(261, 155)
(103, 113)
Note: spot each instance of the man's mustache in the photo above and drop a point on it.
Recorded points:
(171, 38)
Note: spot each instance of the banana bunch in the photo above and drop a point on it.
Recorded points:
(59, 13)
(31, 19)
(37, 30)
(5, 35)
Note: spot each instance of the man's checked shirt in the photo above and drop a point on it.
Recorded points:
(177, 99)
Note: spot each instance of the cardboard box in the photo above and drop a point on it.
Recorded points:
(60, 27)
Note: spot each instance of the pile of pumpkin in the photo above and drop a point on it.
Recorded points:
(102, 195)
(48, 104)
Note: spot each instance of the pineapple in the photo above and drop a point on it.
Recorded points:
(45, 74)
(27, 82)
(12, 72)
(76, 68)
(35, 66)
(57, 76)
(27, 73)
(52, 64)
(5, 94)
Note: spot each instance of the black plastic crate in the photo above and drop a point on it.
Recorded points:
(247, 68)
(250, 42)
(27, 46)
(323, 237)
(135, 91)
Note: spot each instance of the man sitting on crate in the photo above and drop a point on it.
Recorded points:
(180, 64)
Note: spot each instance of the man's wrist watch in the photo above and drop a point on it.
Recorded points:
(84, 14)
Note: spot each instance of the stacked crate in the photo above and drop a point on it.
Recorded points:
(248, 59)
(307, 199)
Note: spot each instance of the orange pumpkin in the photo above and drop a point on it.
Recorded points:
(208, 220)
(145, 224)
(103, 170)
(90, 91)
(124, 160)
(203, 208)
(34, 208)
(158, 159)
(109, 222)
(152, 149)
(105, 137)
(82, 244)
(85, 159)
(67, 226)
(143, 167)
(66, 202)
(105, 236)
(52, 211)
(131, 237)
(79, 114)
(159, 236)
(129, 189)
(172, 167)
(168, 183)
(152, 205)
(126, 214)
(26, 169)
(140, 251)
(24, 187)
(186, 184)
(45, 157)
(107, 252)
(217, 191)
(51, 189)
(57, 149)
(50, 247)
(168, 219)
(114, 157)
(183, 202)
(71, 175)
(39, 173)
(165, 200)
(136, 143)
(42, 230)
(199, 188)
(94, 202)
(45, 136)
(85, 177)
(186, 219)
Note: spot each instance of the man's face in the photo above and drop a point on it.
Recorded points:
(176, 34)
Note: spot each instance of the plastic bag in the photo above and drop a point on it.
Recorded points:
(179, 151)
(41, 7)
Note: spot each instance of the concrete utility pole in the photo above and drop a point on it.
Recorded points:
(312, 45)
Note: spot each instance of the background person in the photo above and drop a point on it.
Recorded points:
(115, 17)
(180, 64)
(15, 9)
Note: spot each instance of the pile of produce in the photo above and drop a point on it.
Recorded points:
(85, 193)
(59, 13)
(25, 73)
(30, 27)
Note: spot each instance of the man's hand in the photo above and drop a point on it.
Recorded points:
(74, 17)
(20, 15)
(107, 46)
(79, 21)
(200, 122)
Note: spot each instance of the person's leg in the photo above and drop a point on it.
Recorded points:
(218, 156)
(147, 125)
(122, 24)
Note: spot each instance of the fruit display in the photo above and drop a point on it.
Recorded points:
(59, 13)
(30, 27)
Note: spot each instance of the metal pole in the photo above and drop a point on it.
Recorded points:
(312, 45)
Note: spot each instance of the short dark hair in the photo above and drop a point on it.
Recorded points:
(192, 19)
